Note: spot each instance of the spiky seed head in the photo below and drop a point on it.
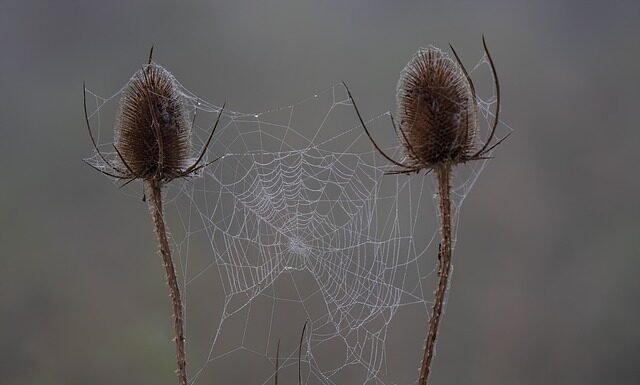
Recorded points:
(153, 133)
(436, 109)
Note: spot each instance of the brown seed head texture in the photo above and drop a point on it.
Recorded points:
(153, 133)
(437, 110)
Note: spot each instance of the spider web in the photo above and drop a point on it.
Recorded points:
(297, 223)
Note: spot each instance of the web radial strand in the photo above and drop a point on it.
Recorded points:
(297, 222)
(301, 220)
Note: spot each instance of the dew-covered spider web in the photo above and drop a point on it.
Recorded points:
(297, 223)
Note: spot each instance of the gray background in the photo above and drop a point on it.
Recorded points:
(548, 290)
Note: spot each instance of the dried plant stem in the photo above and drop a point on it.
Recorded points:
(443, 174)
(155, 205)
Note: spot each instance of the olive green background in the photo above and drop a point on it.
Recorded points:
(547, 292)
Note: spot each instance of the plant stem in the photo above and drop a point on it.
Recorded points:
(444, 269)
(155, 205)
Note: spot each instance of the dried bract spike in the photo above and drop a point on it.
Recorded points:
(437, 110)
(153, 135)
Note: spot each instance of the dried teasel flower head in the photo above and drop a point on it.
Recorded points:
(153, 131)
(438, 124)
(438, 113)
(153, 143)
(436, 109)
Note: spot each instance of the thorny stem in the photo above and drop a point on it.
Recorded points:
(155, 205)
(444, 269)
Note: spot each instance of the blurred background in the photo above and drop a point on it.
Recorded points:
(546, 282)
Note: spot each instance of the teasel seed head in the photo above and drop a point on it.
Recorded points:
(153, 143)
(437, 110)
(153, 134)
(438, 113)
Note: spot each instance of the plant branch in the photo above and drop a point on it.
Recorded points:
(155, 205)
(444, 269)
